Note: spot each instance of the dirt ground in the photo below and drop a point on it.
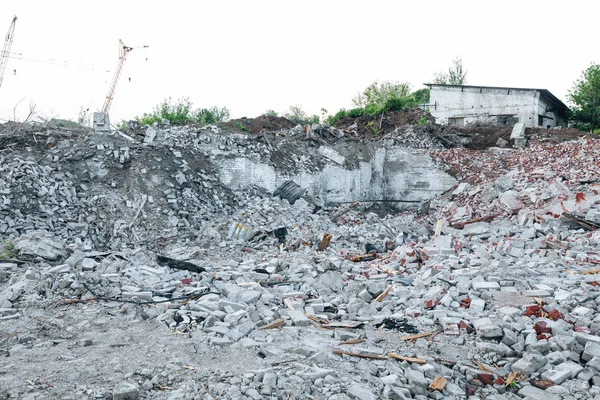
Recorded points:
(263, 123)
(96, 346)
(101, 345)
(547, 136)
(376, 127)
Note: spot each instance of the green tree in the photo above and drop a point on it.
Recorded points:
(585, 96)
(298, 116)
(456, 75)
(377, 93)
(421, 96)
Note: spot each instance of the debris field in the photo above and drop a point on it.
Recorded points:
(129, 270)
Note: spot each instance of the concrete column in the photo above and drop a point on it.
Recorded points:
(101, 123)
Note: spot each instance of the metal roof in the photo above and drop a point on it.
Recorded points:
(544, 92)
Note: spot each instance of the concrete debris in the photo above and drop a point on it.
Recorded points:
(126, 391)
(148, 269)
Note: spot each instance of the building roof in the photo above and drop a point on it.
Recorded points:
(544, 92)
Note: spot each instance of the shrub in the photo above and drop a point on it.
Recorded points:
(420, 96)
(355, 112)
(372, 109)
(373, 128)
(8, 250)
(181, 113)
(396, 103)
(378, 93)
(178, 113)
(271, 113)
(332, 119)
(382, 97)
(422, 122)
(210, 115)
(148, 119)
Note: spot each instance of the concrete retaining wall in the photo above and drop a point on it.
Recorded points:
(389, 174)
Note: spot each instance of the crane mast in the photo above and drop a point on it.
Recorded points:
(123, 51)
(101, 120)
(6, 49)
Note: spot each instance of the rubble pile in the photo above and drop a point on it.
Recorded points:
(492, 295)
(536, 181)
(411, 136)
(99, 192)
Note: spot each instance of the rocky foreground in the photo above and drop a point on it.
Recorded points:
(491, 291)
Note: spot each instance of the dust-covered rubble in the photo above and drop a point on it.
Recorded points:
(254, 297)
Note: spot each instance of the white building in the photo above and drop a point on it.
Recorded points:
(470, 105)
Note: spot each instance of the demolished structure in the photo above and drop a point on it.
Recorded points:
(499, 106)
(191, 262)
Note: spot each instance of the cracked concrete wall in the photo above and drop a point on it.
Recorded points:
(390, 174)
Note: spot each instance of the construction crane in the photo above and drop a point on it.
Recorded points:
(6, 49)
(123, 51)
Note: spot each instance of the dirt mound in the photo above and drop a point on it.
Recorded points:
(378, 127)
(476, 138)
(261, 124)
(484, 137)
(374, 127)
(547, 136)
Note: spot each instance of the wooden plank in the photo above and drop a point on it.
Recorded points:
(439, 383)
(364, 257)
(355, 341)
(278, 323)
(325, 241)
(438, 228)
(409, 359)
(345, 324)
(510, 378)
(590, 271)
(314, 318)
(361, 355)
(289, 305)
(482, 367)
(417, 336)
(384, 294)
(540, 302)
(461, 225)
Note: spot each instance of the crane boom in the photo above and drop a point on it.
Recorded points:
(101, 119)
(6, 49)
(123, 51)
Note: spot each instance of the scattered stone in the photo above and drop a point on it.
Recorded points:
(529, 364)
(360, 392)
(498, 265)
(125, 391)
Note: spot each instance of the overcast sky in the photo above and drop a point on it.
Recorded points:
(256, 55)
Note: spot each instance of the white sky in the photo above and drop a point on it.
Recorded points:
(256, 55)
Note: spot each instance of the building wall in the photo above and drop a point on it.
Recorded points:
(555, 119)
(483, 105)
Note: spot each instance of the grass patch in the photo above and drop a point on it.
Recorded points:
(8, 250)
